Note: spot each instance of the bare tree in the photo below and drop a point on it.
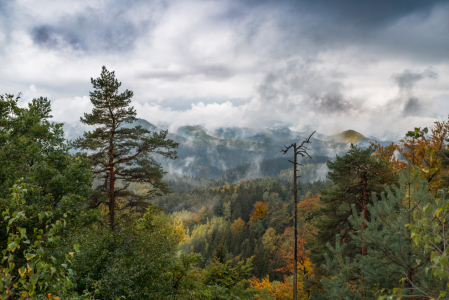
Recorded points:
(298, 150)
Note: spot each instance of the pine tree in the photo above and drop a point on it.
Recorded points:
(392, 253)
(356, 176)
(119, 152)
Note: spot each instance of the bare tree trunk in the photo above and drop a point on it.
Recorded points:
(301, 150)
(295, 226)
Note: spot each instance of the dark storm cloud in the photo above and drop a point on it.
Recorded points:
(330, 100)
(4, 6)
(326, 25)
(413, 107)
(107, 29)
(406, 81)
(358, 13)
(299, 85)
(305, 27)
(52, 37)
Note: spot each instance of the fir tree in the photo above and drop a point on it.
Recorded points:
(121, 153)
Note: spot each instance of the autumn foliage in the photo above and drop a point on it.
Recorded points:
(307, 210)
(277, 290)
(421, 150)
(259, 212)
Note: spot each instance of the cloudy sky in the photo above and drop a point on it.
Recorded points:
(378, 67)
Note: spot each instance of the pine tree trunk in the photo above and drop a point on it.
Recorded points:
(111, 198)
(410, 279)
(111, 184)
(365, 208)
(295, 254)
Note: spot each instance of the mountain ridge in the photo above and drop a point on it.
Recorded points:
(210, 153)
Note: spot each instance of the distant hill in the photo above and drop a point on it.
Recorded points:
(264, 168)
(348, 136)
(235, 153)
(195, 133)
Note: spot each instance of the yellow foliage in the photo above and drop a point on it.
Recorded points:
(259, 212)
(238, 225)
(420, 152)
(278, 290)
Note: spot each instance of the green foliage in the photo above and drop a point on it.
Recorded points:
(429, 230)
(355, 176)
(189, 283)
(28, 271)
(392, 257)
(131, 261)
(34, 149)
(230, 275)
(33, 152)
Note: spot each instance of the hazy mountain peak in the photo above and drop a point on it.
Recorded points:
(196, 132)
(348, 136)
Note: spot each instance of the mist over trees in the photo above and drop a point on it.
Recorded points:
(107, 223)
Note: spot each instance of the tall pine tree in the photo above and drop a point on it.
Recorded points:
(118, 152)
(356, 176)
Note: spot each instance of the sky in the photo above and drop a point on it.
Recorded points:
(377, 67)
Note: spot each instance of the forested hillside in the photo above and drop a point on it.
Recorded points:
(253, 152)
(109, 222)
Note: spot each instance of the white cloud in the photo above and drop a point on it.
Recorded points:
(218, 55)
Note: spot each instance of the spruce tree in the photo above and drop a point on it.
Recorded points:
(119, 152)
(356, 176)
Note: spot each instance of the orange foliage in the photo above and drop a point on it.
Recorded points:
(278, 290)
(420, 152)
(388, 153)
(286, 251)
(259, 212)
(309, 208)
(304, 265)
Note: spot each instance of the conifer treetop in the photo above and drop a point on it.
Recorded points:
(111, 109)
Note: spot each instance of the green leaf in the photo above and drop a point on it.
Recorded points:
(40, 252)
(12, 247)
(22, 271)
(30, 256)
(443, 261)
